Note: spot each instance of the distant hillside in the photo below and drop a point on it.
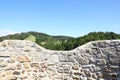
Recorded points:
(61, 42)
(31, 38)
(45, 40)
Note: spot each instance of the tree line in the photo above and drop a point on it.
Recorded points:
(61, 42)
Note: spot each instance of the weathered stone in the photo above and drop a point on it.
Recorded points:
(118, 48)
(66, 77)
(113, 75)
(75, 78)
(114, 67)
(88, 73)
(8, 73)
(50, 71)
(89, 78)
(4, 44)
(78, 73)
(10, 67)
(12, 59)
(114, 60)
(16, 73)
(101, 62)
(23, 71)
(100, 75)
(94, 76)
(75, 67)
(71, 58)
(10, 77)
(27, 49)
(83, 61)
(114, 43)
(41, 74)
(97, 69)
(66, 69)
(43, 65)
(26, 65)
(23, 76)
(23, 58)
(29, 70)
(49, 64)
(3, 64)
(95, 51)
(63, 58)
(3, 49)
(103, 44)
(60, 70)
(35, 69)
(18, 66)
(34, 64)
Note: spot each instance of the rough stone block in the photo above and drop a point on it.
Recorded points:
(23, 58)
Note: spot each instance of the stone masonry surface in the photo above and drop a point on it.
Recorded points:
(25, 60)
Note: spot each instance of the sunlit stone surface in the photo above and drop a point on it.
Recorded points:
(25, 60)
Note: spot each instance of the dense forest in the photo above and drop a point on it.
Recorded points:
(61, 42)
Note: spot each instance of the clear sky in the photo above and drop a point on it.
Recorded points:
(60, 17)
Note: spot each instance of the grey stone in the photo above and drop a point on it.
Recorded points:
(96, 60)
(63, 58)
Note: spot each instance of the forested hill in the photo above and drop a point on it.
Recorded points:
(61, 42)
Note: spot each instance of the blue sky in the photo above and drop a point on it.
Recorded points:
(60, 17)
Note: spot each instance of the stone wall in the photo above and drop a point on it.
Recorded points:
(25, 60)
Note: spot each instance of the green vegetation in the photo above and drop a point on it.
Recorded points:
(61, 42)
(31, 38)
